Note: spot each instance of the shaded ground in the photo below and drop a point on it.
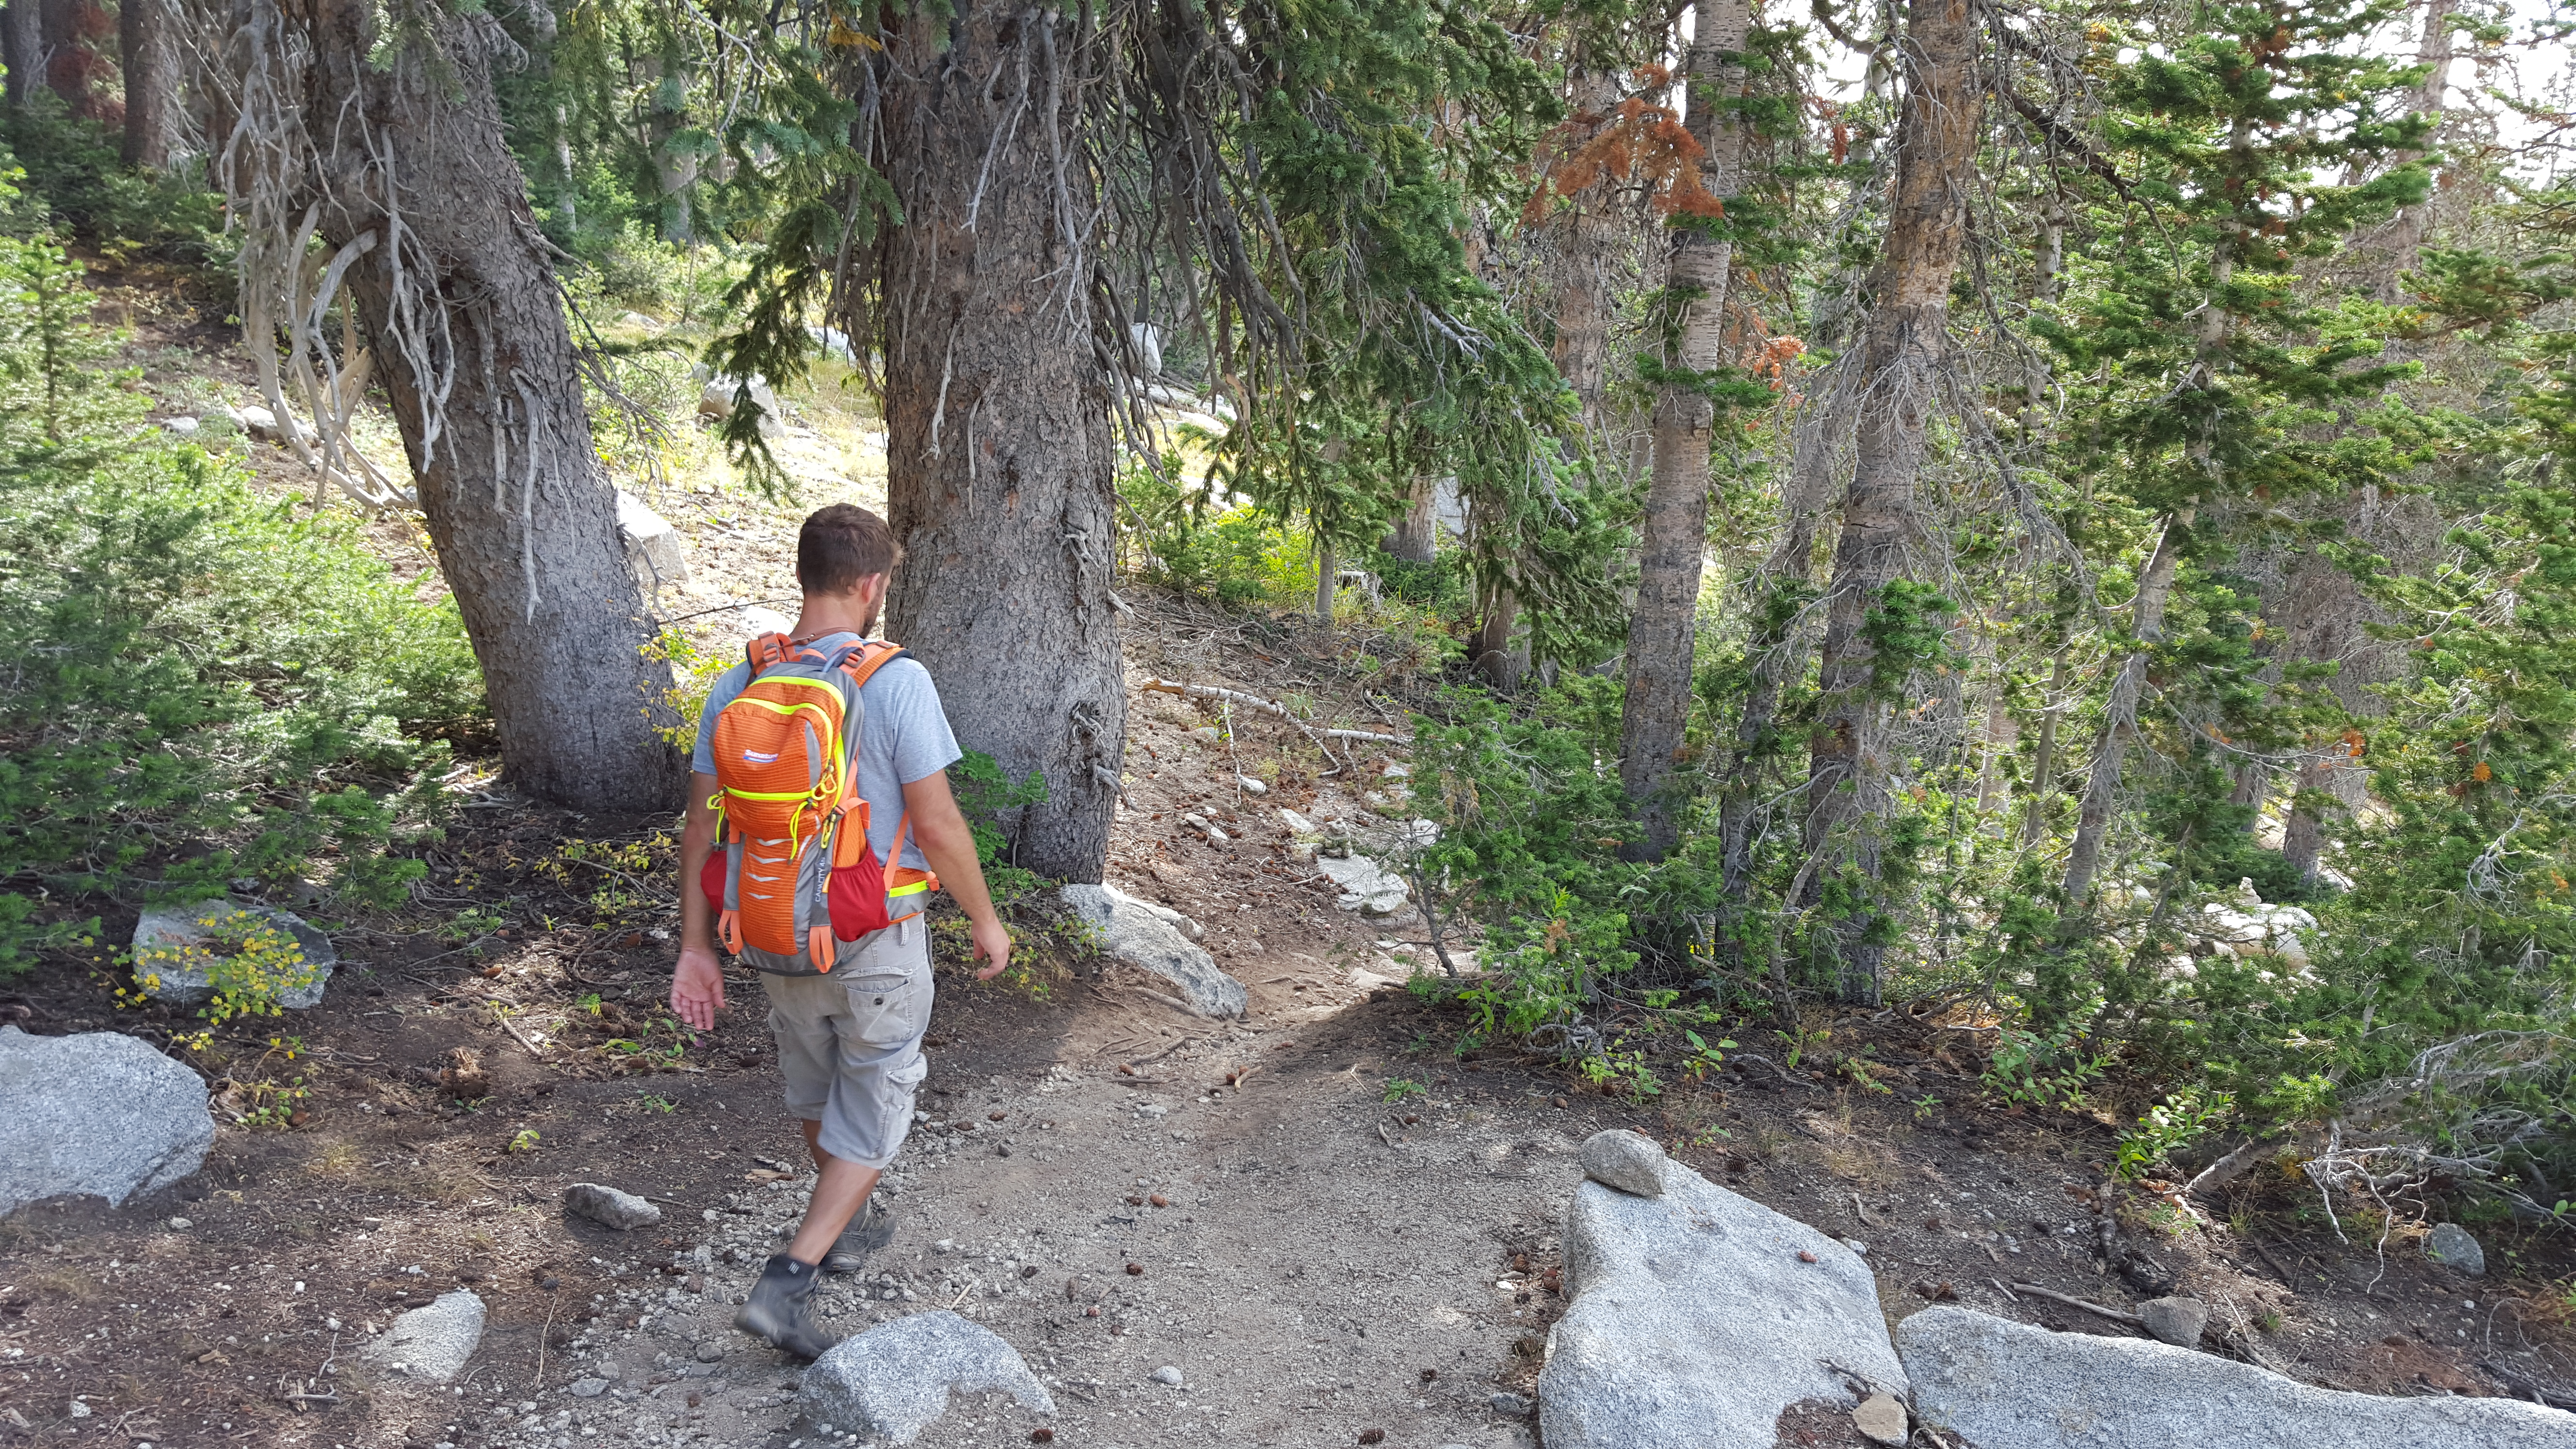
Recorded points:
(1339, 1225)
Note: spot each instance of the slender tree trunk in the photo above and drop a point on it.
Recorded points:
(997, 406)
(1663, 632)
(1503, 660)
(459, 298)
(1585, 239)
(1775, 651)
(2043, 759)
(2405, 236)
(1848, 801)
(143, 41)
(2120, 713)
(22, 48)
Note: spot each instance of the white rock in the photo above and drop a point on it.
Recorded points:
(2006, 1385)
(653, 547)
(1148, 340)
(1881, 1419)
(759, 619)
(892, 1381)
(1694, 1321)
(1167, 1376)
(717, 399)
(173, 962)
(180, 427)
(1366, 886)
(1147, 937)
(432, 1343)
(1251, 786)
(97, 1112)
(1298, 824)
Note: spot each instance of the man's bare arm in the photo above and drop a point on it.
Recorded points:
(697, 982)
(949, 845)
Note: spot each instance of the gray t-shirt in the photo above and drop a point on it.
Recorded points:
(904, 737)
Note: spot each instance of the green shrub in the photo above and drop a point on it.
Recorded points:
(79, 181)
(203, 685)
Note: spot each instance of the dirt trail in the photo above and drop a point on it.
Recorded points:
(1356, 1237)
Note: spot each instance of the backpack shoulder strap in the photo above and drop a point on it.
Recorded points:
(869, 656)
(765, 651)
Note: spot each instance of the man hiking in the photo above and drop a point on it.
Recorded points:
(819, 821)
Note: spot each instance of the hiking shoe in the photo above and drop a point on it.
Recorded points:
(779, 1308)
(871, 1228)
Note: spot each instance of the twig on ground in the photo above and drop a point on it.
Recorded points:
(544, 1334)
(1861, 1211)
(2118, 1315)
(2005, 1289)
(1775, 1066)
(515, 1034)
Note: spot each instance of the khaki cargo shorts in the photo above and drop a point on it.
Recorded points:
(849, 1043)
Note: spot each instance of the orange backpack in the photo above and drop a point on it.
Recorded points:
(796, 882)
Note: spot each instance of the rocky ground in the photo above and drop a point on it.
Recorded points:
(1315, 1225)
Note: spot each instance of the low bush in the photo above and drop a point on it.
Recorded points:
(202, 684)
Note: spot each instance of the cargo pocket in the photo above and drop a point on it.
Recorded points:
(889, 1009)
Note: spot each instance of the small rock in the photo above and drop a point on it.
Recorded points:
(80, 1410)
(1881, 1419)
(1251, 786)
(610, 1208)
(761, 619)
(893, 1380)
(96, 1112)
(432, 1343)
(257, 421)
(2451, 1246)
(711, 1352)
(589, 1388)
(1298, 824)
(179, 427)
(174, 951)
(1625, 1160)
(2177, 1321)
(1167, 1376)
(1510, 1406)
(180, 1225)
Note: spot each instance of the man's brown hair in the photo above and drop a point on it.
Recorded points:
(840, 545)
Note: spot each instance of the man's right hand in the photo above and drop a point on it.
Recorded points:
(697, 987)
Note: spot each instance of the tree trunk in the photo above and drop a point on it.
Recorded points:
(73, 65)
(1503, 660)
(2120, 714)
(1847, 773)
(22, 48)
(2405, 235)
(1327, 583)
(1775, 653)
(457, 294)
(143, 45)
(1585, 242)
(1664, 630)
(997, 406)
(2043, 759)
(1416, 538)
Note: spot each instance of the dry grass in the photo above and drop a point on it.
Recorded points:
(63, 1281)
(340, 1162)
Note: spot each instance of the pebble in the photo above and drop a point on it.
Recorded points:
(1168, 1376)
(2177, 1321)
(711, 1352)
(2452, 1246)
(1511, 1406)
(180, 1225)
(1881, 1419)
(1251, 786)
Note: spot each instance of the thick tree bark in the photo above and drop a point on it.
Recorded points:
(1663, 631)
(1585, 239)
(422, 202)
(73, 31)
(1848, 802)
(1416, 538)
(22, 48)
(997, 404)
(144, 50)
